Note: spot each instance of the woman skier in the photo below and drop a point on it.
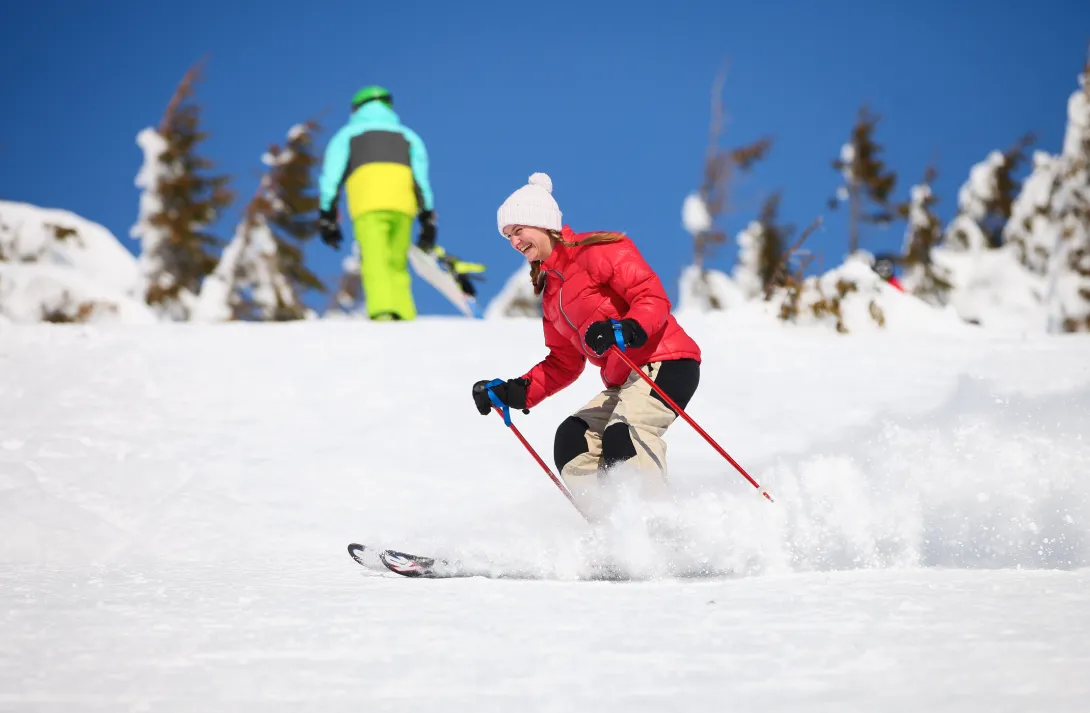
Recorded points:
(585, 281)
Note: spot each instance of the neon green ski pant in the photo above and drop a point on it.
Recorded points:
(384, 237)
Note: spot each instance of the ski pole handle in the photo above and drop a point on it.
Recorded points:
(504, 408)
(618, 336)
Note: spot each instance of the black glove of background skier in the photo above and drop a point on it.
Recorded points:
(466, 284)
(600, 337)
(512, 392)
(329, 229)
(428, 230)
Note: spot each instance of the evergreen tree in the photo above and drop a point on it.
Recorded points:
(868, 184)
(1050, 220)
(774, 253)
(179, 203)
(763, 252)
(261, 274)
(923, 277)
(747, 266)
(998, 210)
(986, 199)
(290, 205)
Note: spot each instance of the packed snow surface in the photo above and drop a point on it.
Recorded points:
(175, 501)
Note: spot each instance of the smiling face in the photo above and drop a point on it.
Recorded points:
(533, 243)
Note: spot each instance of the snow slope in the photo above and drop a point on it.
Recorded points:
(175, 502)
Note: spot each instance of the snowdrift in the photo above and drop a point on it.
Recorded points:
(884, 450)
(863, 303)
(56, 265)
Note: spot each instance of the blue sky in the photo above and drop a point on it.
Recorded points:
(611, 102)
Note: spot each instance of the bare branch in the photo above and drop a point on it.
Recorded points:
(720, 166)
(780, 274)
(715, 125)
(715, 164)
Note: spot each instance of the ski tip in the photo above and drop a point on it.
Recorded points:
(355, 550)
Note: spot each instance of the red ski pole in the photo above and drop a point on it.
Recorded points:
(504, 412)
(677, 409)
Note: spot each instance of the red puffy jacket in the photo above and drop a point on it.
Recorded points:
(589, 283)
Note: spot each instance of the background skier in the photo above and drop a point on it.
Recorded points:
(585, 280)
(383, 166)
(884, 265)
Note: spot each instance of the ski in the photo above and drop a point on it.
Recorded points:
(385, 561)
(403, 563)
(441, 277)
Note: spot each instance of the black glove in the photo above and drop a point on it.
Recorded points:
(330, 230)
(512, 392)
(599, 336)
(426, 241)
(466, 284)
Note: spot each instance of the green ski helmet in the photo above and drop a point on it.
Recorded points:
(372, 93)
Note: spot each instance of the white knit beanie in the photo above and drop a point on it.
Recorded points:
(533, 205)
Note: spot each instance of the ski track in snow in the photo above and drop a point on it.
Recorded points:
(175, 502)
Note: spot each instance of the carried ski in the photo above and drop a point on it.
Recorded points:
(441, 271)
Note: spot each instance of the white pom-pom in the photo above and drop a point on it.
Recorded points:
(543, 180)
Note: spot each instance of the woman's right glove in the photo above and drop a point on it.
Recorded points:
(512, 392)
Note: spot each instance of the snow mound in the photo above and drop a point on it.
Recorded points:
(56, 265)
(993, 289)
(707, 291)
(50, 293)
(850, 299)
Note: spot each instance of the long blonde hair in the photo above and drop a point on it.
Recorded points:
(536, 276)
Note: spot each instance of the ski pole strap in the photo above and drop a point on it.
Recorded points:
(496, 401)
(617, 334)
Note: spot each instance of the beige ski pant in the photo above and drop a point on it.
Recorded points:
(632, 408)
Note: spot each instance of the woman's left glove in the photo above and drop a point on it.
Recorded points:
(599, 336)
(511, 392)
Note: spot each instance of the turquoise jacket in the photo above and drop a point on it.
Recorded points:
(390, 143)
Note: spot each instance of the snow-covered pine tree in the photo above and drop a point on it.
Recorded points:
(291, 205)
(179, 203)
(1050, 220)
(762, 252)
(349, 299)
(985, 200)
(516, 298)
(868, 185)
(261, 274)
(747, 266)
(923, 278)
